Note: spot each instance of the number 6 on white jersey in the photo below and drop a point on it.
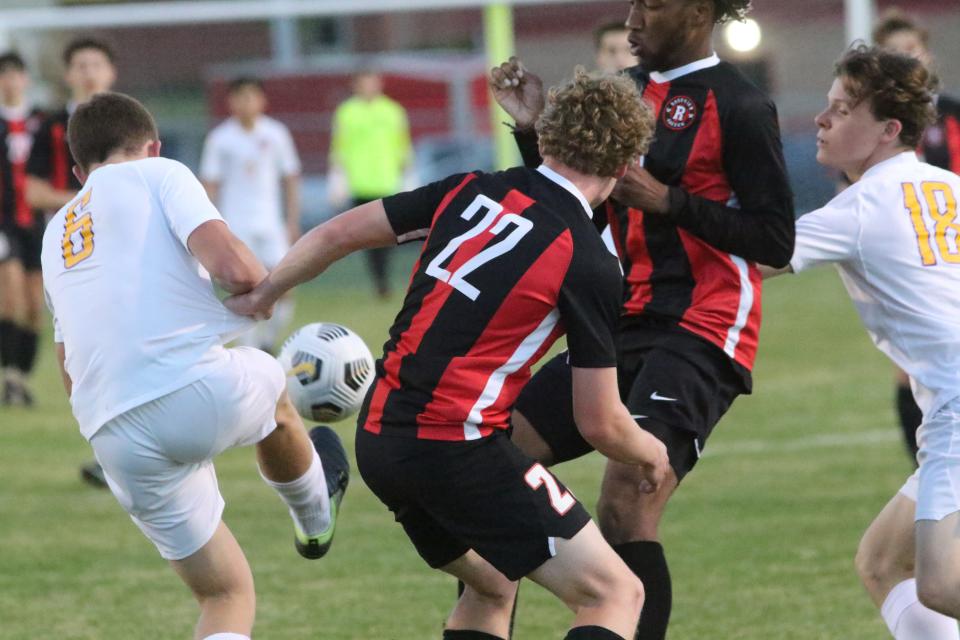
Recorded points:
(561, 501)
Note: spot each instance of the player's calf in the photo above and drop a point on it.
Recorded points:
(484, 608)
(938, 564)
(885, 555)
(221, 581)
(595, 583)
(291, 466)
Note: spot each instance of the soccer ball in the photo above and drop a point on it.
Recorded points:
(329, 369)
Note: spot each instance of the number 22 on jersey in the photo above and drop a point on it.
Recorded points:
(522, 227)
(77, 233)
(941, 206)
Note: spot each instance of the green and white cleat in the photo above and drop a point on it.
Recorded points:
(336, 470)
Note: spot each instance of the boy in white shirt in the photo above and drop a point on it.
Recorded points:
(127, 268)
(246, 159)
(893, 235)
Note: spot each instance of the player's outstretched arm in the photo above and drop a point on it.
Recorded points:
(518, 91)
(226, 258)
(363, 227)
(606, 424)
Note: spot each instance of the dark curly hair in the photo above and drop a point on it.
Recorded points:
(898, 87)
(595, 123)
(727, 10)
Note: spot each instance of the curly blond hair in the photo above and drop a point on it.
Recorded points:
(595, 123)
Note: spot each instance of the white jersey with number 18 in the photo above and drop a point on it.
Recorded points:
(894, 237)
(134, 309)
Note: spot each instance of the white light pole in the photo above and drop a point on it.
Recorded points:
(859, 16)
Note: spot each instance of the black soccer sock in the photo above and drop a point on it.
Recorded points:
(592, 633)
(910, 418)
(464, 634)
(28, 350)
(15, 344)
(645, 558)
(6, 336)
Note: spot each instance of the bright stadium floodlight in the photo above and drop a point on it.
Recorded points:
(743, 36)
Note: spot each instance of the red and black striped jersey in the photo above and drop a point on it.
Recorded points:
(50, 157)
(941, 141)
(17, 130)
(511, 262)
(717, 146)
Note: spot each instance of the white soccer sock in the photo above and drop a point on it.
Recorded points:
(307, 498)
(227, 636)
(908, 619)
(278, 322)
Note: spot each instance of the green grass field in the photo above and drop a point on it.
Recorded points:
(760, 537)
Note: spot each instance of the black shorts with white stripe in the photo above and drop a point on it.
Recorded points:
(485, 495)
(676, 385)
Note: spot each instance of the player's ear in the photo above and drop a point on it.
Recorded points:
(892, 130)
(153, 149)
(703, 12)
(79, 174)
(622, 171)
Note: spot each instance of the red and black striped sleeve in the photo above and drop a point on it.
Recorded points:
(761, 228)
(412, 212)
(589, 303)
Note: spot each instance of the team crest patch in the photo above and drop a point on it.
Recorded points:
(679, 113)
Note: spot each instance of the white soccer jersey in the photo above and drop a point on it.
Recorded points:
(248, 165)
(135, 311)
(894, 237)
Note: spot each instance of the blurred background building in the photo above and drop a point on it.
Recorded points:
(434, 64)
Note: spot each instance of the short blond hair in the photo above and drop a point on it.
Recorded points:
(595, 123)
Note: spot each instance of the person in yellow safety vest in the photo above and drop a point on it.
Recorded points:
(370, 152)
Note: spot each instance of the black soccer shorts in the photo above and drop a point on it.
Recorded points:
(22, 244)
(676, 388)
(484, 495)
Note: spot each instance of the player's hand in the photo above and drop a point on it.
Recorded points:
(640, 190)
(253, 304)
(654, 471)
(518, 91)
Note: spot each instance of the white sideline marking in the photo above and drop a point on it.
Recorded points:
(825, 441)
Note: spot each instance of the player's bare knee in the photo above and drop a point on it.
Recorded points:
(619, 588)
(631, 591)
(494, 595)
(877, 566)
(622, 516)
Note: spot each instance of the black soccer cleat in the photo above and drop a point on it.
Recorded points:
(336, 470)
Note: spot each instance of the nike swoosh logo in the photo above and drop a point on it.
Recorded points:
(638, 416)
(657, 396)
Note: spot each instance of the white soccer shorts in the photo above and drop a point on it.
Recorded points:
(157, 457)
(935, 486)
